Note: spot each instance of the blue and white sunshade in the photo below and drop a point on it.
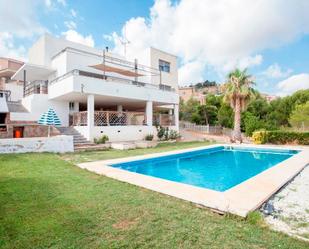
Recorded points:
(49, 118)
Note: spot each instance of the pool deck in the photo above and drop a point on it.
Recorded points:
(239, 200)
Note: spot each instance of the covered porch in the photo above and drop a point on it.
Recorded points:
(119, 118)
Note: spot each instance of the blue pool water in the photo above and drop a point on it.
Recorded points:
(218, 168)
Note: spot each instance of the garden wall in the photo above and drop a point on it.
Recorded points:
(58, 144)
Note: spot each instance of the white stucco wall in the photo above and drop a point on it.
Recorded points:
(94, 86)
(48, 46)
(3, 105)
(57, 144)
(171, 78)
(37, 104)
(16, 90)
(122, 133)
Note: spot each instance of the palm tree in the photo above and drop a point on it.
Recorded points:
(238, 92)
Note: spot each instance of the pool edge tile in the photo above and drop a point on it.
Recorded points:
(240, 199)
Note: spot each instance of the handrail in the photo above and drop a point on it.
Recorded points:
(106, 77)
(141, 66)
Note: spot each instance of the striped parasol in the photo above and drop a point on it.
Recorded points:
(49, 118)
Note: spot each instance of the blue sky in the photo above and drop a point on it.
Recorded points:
(270, 38)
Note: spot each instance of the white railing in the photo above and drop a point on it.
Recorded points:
(201, 128)
(108, 77)
(110, 118)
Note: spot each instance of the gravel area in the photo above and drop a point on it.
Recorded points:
(289, 208)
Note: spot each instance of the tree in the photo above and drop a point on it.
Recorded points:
(225, 116)
(300, 116)
(208, 114)
(238, 93)
(187, 109)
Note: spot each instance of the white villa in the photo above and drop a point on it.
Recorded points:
(93, 91)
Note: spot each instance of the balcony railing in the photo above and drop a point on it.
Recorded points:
(110, 118)
(36, 87)
(111, 78)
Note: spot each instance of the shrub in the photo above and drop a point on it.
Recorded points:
(251, 123)
(149, 137)
(281, 137)
(101, 140)
(164, 134)
(259, 137)
(161, 132)
(173, 135)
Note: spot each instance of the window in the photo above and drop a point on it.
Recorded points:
(71, 106)
(164, 66)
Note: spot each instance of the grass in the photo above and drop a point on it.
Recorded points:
(86, 156)
(47, 202)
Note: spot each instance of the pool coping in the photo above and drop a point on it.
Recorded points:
(239, 200)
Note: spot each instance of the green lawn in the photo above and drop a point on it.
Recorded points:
(46, 202)
(109, 154)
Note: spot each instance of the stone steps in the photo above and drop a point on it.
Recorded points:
(78, 139)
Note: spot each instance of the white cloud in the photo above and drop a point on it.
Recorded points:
(8, 48)
(191, 72)
(62, 2)
(222, 33)
(74, 36)
(18, 22)
(70, 24)
(242, 63)
(20, 18)
(276, 72)
(293, 83)
(48, 3)
(73, 12)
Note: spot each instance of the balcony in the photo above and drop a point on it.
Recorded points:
(109, 67)
(111, 78)
(36, 87)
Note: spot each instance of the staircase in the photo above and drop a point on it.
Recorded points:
(80, 142)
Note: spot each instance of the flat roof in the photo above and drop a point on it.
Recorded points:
(33, 72)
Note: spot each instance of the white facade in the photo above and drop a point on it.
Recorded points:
(98, 95)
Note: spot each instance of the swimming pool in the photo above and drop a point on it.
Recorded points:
(219, 168)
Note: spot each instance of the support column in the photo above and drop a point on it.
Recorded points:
(25, 82)
(149, 114)
(90, 117)
(119, 108)
(176, 114)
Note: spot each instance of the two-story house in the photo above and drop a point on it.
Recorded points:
(97, 92)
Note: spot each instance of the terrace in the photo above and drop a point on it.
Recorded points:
(114, 118)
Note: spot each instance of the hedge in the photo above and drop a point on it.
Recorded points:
(280, 137)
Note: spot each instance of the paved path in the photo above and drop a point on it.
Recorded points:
(188, 135)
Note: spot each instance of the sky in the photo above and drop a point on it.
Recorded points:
(268, 37)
